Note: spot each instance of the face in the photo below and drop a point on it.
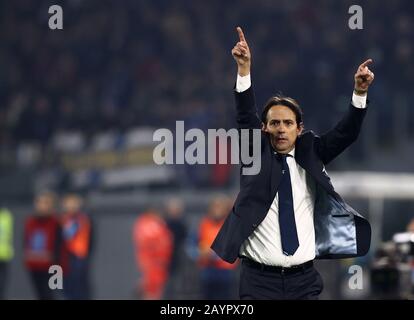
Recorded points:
(218, 208)
(174, 208)
(282, 128)
(44, 204)
(71, 204)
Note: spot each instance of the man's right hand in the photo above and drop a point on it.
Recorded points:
(241, 53)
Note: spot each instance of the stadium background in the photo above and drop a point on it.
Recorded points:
(78, 107)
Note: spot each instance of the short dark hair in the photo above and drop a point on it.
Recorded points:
(281, 100)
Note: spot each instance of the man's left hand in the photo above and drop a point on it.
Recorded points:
(363, 78)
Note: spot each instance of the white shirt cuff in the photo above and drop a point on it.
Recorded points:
(359, 101)
(243, 83)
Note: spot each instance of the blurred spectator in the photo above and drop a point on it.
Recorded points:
(153, 248)
(37, 123)
(217, 276)
(76, 228)
(177, 225)
(410, 226)
(6, 247)
(42, 244)
(221, 173)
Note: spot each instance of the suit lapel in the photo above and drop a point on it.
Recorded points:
(309, 162)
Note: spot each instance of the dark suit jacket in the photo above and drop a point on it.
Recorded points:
(340, 231)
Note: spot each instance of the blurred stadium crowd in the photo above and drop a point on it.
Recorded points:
(149, 63)
(78, 107)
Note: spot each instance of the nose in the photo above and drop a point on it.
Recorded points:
(281, 128)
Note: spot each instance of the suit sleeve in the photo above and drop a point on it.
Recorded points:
(335, 141)
(247, 117)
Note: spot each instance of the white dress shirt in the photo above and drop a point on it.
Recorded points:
(264, 244)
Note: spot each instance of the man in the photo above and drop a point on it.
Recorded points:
(153, 244)
(176, 223)
(6, 247)
(76, 231)
(289, 213)
(42, 244)
(216, 275)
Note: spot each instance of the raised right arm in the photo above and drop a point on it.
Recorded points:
(247, 117)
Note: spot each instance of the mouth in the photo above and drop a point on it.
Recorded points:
(281, 140)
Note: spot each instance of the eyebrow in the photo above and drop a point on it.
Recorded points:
(284, 120)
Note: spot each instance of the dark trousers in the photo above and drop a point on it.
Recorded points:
(304, 284)
(216, 284)
(76, 280)
(40, 280)
(4, 266)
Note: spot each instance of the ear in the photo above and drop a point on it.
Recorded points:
(300, 129)
(263, 127)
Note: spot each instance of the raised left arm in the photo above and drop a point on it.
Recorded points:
(335, 141)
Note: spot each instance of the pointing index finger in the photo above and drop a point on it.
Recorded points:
(241, 34)
(367, 62)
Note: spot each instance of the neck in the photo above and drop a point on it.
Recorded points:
(282, 151)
